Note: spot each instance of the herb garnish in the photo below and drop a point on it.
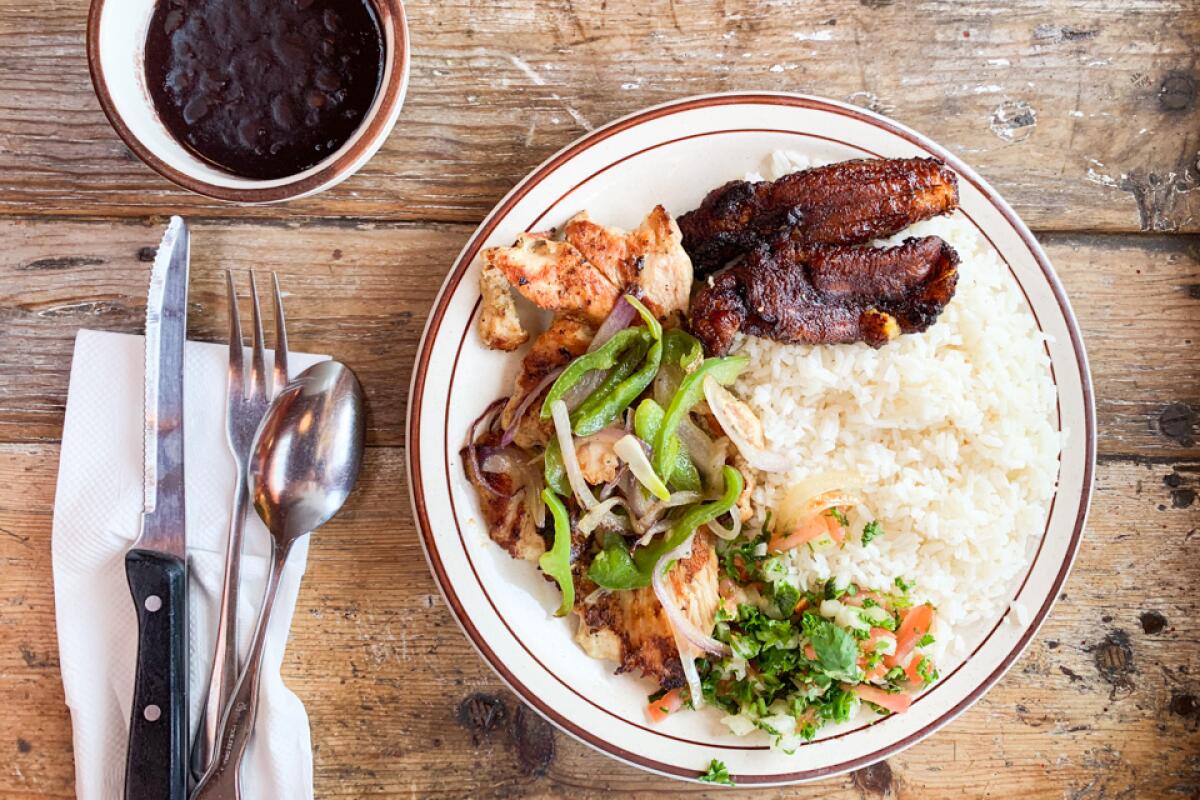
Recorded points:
(717, 773)
(871, 530)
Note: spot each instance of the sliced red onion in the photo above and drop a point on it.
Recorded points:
(474, 468)
(527, 401)
(617, 320)
(631, 490)
(606, 436)
(681, 625)
(575, 396)
(719, 400)
(566, 442)
(607, 489)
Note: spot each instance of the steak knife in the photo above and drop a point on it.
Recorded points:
(156, 566)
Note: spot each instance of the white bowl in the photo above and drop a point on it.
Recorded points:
(116, 40)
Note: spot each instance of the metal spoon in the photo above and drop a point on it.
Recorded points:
(303, 464)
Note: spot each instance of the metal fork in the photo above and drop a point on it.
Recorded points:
(244, 409)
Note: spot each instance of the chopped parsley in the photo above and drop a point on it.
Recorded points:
(791, 669)
(925, 640)
(871, 531)
(837, 514)
(717, 773)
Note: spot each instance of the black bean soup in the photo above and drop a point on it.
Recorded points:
(263, 88)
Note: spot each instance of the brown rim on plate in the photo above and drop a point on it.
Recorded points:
(416, 486)
(392, 21)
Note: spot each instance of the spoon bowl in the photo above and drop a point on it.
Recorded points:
(307, 451)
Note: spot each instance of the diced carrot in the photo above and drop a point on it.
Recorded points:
(808, 530)
(836, 531)
(809, 653)
(871, 673)
(670, 702)
(803, 604)
(914, 624)
(896, 703)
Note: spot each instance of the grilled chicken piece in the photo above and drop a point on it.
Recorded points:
(851, 202)
(499, 326)
(503, 506)
(584, 273)
(554, 275)
(565, 339)
(827, 295)
(651, 258)
(631, 628)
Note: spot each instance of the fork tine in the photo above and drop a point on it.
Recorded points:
(280, 377)
(237, 369)
(258, 360)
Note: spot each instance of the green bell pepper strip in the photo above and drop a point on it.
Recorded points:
(724, 371)
(602, 358)
(613, 567)
(629, 362)
(555, 471)
(652, 323)
(556, 562)
(680, 347)
(646, 557)
(646, 422)
(610, 407)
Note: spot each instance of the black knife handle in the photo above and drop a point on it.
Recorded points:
(156, 763)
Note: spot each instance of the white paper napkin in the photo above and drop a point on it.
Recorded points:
(97, 513)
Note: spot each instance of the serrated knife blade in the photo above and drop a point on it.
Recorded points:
(156, 566)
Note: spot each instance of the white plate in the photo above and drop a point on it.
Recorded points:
(674, 154)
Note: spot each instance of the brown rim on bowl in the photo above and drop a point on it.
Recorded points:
(439, 310)
(391, 19)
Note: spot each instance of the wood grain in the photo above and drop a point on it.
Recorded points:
(362, 292)
(1102, 705)
(1082, 112)
(1084, 115)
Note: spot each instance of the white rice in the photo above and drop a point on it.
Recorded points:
(951, 433)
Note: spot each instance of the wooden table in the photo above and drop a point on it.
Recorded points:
(1082, 112)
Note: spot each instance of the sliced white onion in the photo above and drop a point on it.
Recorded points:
(630, 450)
(687, 660)
(661, 506)
(598, 515)
(654, 530)
(666, 384)
(733, 531)
(708, 456)
(680, 624)
(720, 403)
(566, 443)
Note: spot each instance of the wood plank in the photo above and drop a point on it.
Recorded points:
(1082, 112)
(1102, 705)
(362, 292)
